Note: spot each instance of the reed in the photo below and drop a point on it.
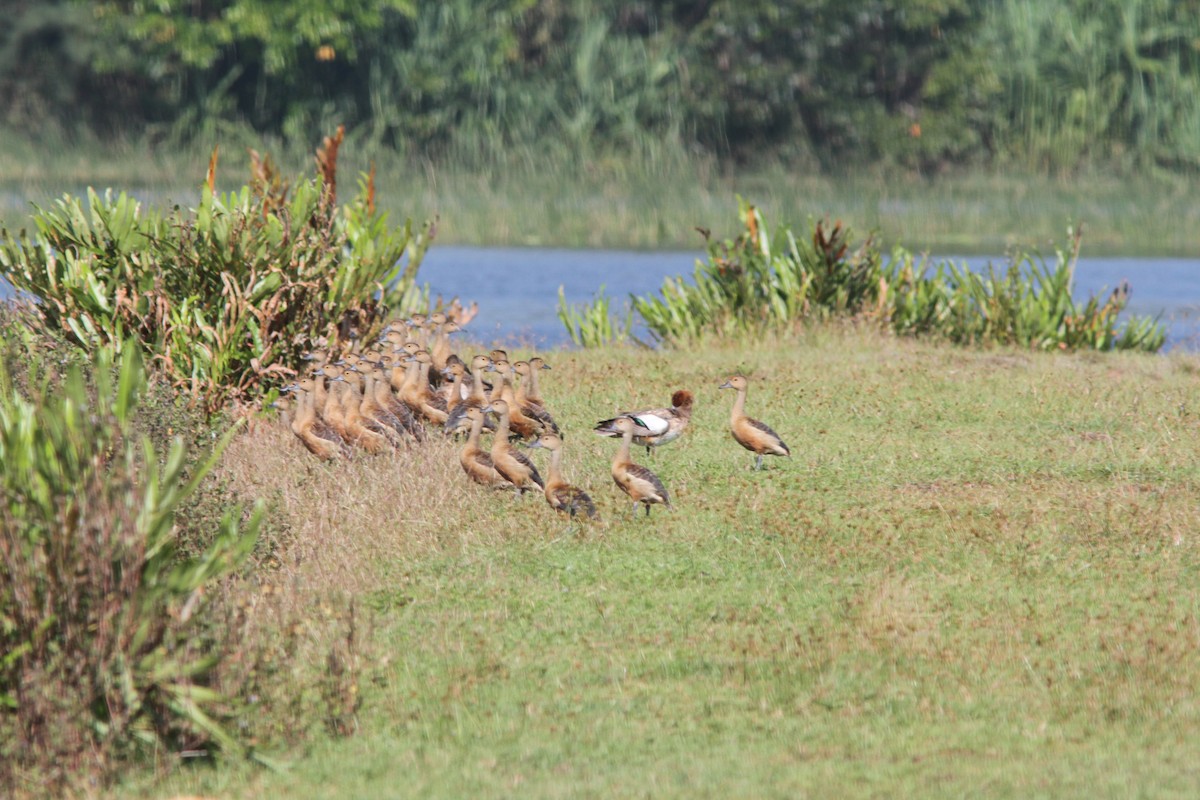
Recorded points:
(751, 285)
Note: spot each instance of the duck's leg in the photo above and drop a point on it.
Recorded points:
(758, 462)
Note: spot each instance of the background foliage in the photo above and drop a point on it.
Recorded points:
(926, 84)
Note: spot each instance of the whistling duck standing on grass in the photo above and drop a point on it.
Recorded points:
(475, 462)
(657, 426)
(371, 406)
(642, 485)
(510, 462)
(527, 391)
(364, 431)
(524, 426)
(456, 421)
(321, 441)
(330, 409)
(440, 349)
(750, 433)
(385, 398)
(562, 496)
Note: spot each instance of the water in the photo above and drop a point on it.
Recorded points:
(517, 288)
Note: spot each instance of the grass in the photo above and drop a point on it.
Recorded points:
(656, 199)
(976, 575)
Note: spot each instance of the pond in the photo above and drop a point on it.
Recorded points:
(517, 288)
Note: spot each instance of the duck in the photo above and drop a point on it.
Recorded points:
(642, 485)
(750, 433)
(416, 392)
(510, 462)
(456, 420)
(370, 406)
(364, 431)
(657, 426)
(522, 425)
(562, 496)
(319, 439)
(475, 462)
(525, 394)
(388, 401)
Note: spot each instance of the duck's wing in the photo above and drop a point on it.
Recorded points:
(639, 473)
(762, 427)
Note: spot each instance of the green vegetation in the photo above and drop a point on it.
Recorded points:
(762, 282)
(593, 325)
(107, 639)
(926, 85)
(976, 575)
(227, 297)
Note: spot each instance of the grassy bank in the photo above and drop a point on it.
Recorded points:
(656, 199)
(976, 575)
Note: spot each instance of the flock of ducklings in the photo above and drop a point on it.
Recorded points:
(394, 392)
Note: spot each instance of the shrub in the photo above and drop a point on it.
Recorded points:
(103, 628)
(227, 297)
(748, 287)
(1029, 304)
(593, 324)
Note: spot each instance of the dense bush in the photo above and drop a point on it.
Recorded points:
(750, 285)
(1028, 304)
(759, 281)
(103, 626)
(224, 299)
(926, 84)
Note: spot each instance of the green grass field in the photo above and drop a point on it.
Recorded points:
(976, 576)
(656, 200)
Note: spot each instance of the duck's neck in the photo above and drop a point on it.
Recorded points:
(622, 456)
(476, 430)
(502, 429)
(477, 394)
(556, 475)
(533, 393)
(739, 406)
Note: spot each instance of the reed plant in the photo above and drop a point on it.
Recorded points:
(748, 287)
(1029, 304)
(593, 324)
(224, 298)
(108, 646)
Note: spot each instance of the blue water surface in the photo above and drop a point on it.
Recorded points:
(517, 288)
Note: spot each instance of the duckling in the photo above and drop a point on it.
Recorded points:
(750, 433)
(658, 425)
(642, 485)
(562, 496)
(525, 393)
(510, 462)
(475, 462)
